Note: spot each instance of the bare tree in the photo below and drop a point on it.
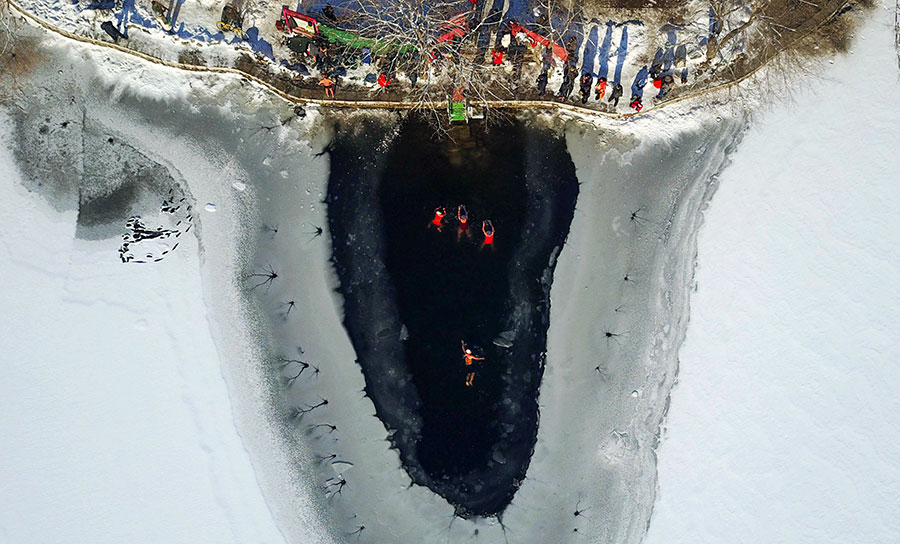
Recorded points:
(555, 19)
(266, 277)
(335, 486)
(299, 412)
(765, 28)
(897, 31)
(722, 14)
(434, 43)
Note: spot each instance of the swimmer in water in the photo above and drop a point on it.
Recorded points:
(467, 354)
(462, 215)
(439, 214)
(488, 229)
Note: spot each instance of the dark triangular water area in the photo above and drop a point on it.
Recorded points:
(413, 292)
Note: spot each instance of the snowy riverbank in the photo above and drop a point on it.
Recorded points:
(117, 423)
(783, 426)
(245, 162)
(198, 357)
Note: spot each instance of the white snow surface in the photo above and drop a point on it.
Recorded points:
(145, 446)
(783, 426)
(206, 131)
(117, 425)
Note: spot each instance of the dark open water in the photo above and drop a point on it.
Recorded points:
(472, 444)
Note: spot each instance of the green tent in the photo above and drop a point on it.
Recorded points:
(378, 47)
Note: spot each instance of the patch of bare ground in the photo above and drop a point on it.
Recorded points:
(836, 34)
(649, 11)
(634, 4)
(19, 55)
(776, 25)
(782, 34)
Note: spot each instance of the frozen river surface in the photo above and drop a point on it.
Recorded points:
(187, 404)
(257, 181)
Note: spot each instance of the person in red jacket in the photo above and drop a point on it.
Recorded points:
(462, 214)
(383, 80)
(497, 56)
(600, 89)
(637, 104)
(488, 229)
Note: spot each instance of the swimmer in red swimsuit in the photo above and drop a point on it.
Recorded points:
(462, 214)
(488, 229)
(439, 214)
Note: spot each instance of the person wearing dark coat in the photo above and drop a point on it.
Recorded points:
(665, 86)
(564, 90)
(587, 80)
(568, 83)
(616, 94)
(542, 84)
(113, 32)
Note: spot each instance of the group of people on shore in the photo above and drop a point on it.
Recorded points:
(586, 85)
(329, 59)
(662, 72)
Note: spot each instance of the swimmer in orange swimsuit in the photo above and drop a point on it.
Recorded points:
(467, 354)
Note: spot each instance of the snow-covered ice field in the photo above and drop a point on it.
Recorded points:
(147, 403)
(117, 425)
(783, 426)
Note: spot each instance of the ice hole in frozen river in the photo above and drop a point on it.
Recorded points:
(413, 292)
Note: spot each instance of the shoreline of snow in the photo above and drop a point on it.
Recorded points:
(200, 39)
(117, 419)
(245, 344)
(283, 181)
(613, 442)
(783, 426)
(209, 174)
